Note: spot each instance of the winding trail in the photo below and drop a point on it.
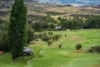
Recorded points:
(28, 63)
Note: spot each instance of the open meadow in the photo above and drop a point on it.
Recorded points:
(67, 56)
(37, 34)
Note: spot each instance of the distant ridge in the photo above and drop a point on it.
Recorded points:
(65, 2)
(82, 2)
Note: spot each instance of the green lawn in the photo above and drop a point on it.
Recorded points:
(52, 56)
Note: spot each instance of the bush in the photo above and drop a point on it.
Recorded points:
(36, 36)
(49, 43)
(4, 36)
(45, 33)
(4, 43)
(78, 46)
(45, 38)
(40, 35)
(97, 49)
(30, 35)
(50, 33)
(94, 49)
(91, 50)
(55, 37)
(65, 35)
(60, 46)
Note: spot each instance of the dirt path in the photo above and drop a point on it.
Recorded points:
(28, 63)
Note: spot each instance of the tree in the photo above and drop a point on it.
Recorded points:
(17, 29)
(59, 18)
(37, 26)
(60, 46)
(30, 35)
(4, 35)
(78, 46)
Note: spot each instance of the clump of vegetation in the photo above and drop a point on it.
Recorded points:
(78, 46)
(94, 49)
(45, 38)
(54, 13)
(42, 36)
(55, 37)
(45, 33)
(59, 18)
(50, 33)
(4, 43)
(65, 35)
(30, 35)
(60, 46)
(4, 35)
(49, 43)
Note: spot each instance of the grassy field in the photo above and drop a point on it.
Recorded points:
(52, 56)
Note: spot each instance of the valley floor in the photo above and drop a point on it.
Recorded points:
(67, 56)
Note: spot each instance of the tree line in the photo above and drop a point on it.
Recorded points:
(78, 22)
(72, 23)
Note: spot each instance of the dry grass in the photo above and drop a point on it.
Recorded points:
(66, 10)
(96, 65)
(35, 13)
(78, 38)
(63, 9)
(79, 51)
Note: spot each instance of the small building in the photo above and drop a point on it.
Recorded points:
(27, 52)
(58, 27)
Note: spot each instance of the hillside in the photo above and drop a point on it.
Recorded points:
(49, 34)
(35, 8)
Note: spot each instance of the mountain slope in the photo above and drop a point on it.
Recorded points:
(85, 2)
(50, 2)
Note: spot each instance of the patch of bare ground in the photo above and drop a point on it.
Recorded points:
(78, 38)
(79, 51)
(98, 65)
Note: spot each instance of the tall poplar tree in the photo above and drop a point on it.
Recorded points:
(17, 28)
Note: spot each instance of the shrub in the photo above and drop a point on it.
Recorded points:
(78, 46)
(97, 49)
(2, 21)
(50, 33)
(4, 35)
(49, 43)
(94, 49)
(4, 43)
(45, 38)
(91, 50)
(45, 33)
(40, 35)
(36, 36)
(30, 35)
(65, 35)
(60, 46)
(56, 37)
